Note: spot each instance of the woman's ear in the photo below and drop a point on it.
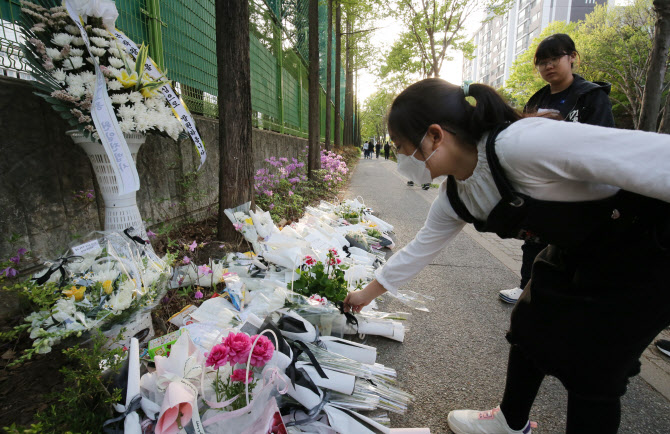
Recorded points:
(436, 135)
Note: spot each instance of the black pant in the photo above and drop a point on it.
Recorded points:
(584, 415)
(386, 155)
(530, 251)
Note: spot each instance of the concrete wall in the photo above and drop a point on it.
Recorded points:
(41, 168)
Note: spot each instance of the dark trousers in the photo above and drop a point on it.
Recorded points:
(530, 251)
(584, 415)
(386, 155)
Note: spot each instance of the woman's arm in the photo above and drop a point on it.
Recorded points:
(597, 109)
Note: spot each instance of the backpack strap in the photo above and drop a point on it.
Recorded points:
(502, 184)
(456, 202)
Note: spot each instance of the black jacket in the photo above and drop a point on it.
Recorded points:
(587, 102)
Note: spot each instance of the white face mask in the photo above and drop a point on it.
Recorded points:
(413, 168)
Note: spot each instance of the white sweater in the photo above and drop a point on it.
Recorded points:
(548, 160)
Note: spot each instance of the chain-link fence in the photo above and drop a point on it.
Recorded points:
(182, 39)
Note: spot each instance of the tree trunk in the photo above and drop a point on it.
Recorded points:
(313, 156)
(349, 82)
(329, 74)
(338, 72)
(236, 169)
(651, 99)
(664, 127)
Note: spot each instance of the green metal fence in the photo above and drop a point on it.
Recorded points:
(182, 39)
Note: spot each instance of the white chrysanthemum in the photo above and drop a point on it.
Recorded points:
(116, 63)
(103, 276)
(100, 42)
(74, 80)
(59, 75)
(54, 53)
(62, 39)
(73, 30)
(120, 98)
(135, 97)
(64, 309)
(78, 41)
(126, 112)
(113, 71)
(127, 126)
(90, 60)
(120, 301)
(88, 78)
(114, 85)
(104, 266)
(102, 33)
(74, 62)
(114, 52)
(143, 122)
(98, 51)
(150, 276)
(76, 91)
(76, 52)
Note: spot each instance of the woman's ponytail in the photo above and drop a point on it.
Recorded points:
(490, 111)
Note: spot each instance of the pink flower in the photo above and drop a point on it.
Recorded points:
(239, 345)
(238, 375)
(198, 295)
(309, 261)
(219, 356)
(150, 234)
(238, 226)
(193, 246)
(204, 269)
(290, 193)
(272, 205)
(333, 250)
(186, 260)
(262, 352)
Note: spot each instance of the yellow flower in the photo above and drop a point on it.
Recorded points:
(148, 93)
(249, 254)
(107, 287)
(372, 225)
(249, 221)
(78, 293)
(127, 80)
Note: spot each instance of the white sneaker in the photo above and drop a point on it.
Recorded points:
(482, 422)
(510, 295)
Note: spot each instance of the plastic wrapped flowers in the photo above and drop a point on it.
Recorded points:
(98, 284)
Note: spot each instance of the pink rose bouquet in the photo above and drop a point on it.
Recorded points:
(238, 376)
(262, 352)
(239, 345)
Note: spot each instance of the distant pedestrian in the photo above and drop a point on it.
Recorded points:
(378, 147)
(365, 150)
(387, 150)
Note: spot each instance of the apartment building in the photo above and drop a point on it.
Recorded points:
(504, 37)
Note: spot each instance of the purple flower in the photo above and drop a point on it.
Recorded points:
(238, 226)
(221, 246)
(272, 205)
(10, 272)
(90, 195)
(165, 300)
(21, 251)
(186, 260)
(198, 295)
(150, 234)
(16, 259)
(204, 269)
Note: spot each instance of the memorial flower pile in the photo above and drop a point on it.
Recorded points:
(65, 76)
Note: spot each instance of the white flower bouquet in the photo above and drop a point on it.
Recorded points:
(65, 75)
(99, 284)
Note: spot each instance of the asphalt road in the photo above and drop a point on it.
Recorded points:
(455, 356)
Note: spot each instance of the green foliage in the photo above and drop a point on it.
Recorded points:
(374, 115)
(374, 233)
(524, 80)
(326, 280)
(228, 389)
(85, 401)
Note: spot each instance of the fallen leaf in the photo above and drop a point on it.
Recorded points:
(8, 355)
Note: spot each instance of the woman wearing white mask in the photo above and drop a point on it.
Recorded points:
(605, 216)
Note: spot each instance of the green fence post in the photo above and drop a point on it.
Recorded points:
(280, 79)
(300, 96)
(153, 12)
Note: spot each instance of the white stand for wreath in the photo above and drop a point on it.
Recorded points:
(121, 210)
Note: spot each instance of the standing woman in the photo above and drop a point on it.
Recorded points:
(605, 216)
(576, 100)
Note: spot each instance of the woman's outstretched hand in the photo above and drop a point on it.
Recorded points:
(357, 300)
